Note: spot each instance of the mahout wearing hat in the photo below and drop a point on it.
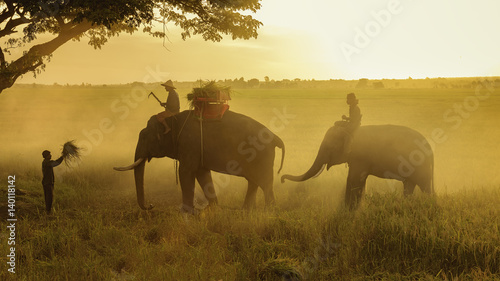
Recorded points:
(169, 83)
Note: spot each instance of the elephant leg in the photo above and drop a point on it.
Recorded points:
(409, 187)
(204, 178)
(268, 193)
(250, 198)
(356, 182)
(426, 186)
(187, 179)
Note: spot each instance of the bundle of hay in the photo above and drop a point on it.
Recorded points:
(281, 269)
(71, 152)
(210, 90)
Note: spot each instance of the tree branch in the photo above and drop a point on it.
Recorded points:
(6, 13)
(68, 20)
(63, 37)
(35, 56)
(11, 25)
(60, 21)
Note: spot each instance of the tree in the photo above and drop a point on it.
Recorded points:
(362, 83)
(378, 85)
(253, 83)
(23, 21)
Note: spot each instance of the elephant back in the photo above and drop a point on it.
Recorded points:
(391, 143)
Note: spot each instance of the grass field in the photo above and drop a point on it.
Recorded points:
(97, 231)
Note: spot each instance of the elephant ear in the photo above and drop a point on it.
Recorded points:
(153, 123)
(335, 146)
(336, 157)
(155, 127)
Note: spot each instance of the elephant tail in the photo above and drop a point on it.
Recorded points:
(279, 143)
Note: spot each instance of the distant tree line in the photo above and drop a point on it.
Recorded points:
(364, 83)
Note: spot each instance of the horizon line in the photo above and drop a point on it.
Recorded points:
(275, 80)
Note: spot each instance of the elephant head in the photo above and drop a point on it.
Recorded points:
(151, 143)
(331, 152)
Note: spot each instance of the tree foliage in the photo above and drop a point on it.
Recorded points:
(23, 21)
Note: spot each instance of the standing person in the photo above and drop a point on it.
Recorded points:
(172, 106)
(48, 178)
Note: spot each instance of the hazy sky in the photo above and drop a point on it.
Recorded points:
(320, 39)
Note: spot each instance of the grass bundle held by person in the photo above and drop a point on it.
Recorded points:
(71, 152)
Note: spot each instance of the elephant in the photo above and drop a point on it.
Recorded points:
(234, 144)
(384, 151)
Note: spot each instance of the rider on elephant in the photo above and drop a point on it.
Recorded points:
(172, 106)
(351, 122)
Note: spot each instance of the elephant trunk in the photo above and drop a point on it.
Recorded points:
(139, 185)
(316, 169)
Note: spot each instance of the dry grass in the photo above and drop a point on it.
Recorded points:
(97, 232)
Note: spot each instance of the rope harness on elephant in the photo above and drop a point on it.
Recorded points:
(176, 169)
(183, 125)
(175, 142)
(201, 140)
(209, 102)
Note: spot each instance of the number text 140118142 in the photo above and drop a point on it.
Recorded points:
(11, 223)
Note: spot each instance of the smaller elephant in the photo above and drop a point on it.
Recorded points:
(385, 151)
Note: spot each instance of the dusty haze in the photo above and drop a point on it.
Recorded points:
(461, 124)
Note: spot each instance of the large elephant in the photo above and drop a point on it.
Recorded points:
(385, 151)
(236, 145)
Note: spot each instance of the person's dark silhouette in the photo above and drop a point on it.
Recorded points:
(48, 178)
(353, 121)
(350, 123)
(172, 106)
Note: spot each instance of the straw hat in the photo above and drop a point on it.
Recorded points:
(169, 83)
